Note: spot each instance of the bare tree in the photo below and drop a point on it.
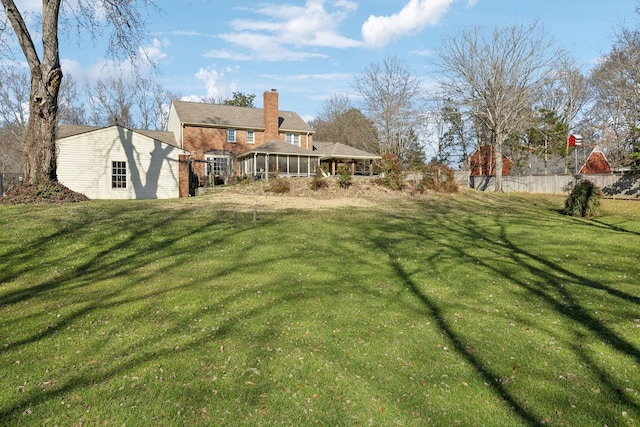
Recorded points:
(135, 103)
(123, 16)
(565, 96)
(393, 98)
(111, 101)
(14, 100)
(498, 77)
(615, 115)
(70, 104)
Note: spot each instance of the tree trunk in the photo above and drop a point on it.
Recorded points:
(46, 76)
(40, 137)
(497, 151)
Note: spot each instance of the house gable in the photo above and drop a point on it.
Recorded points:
(147, 162)
(596, 163)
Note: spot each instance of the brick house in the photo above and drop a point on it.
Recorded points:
(482, 162)
(216, 135)
(596, 163)
(204, 144)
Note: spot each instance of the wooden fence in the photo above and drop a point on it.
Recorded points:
(612, 185)
(9, 181)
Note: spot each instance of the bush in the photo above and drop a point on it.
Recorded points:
(583, 200)
(392, 169)
(318, 182)
(344, 176)
(278, 185)
(440, 178)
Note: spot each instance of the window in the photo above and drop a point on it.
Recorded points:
(118, 174)
(220, 166)
(231, 135)
(250, 137)
(293, 139)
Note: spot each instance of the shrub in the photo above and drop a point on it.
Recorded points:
(318, 182)
(583, 200)
(278, 185)
(344, 176)
(440, 178)
(392, 169)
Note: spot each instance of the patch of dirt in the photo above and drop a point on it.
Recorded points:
(247, 196)
(41, 194)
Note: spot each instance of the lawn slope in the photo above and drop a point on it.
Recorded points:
(471, 309)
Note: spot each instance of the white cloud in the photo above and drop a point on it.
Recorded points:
(287, 29)
(378, 31)
(260, 47)
(154, 53)
(421, 52)
(126, 69)
(214, 81)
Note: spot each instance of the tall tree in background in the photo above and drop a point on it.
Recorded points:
(123, 16)
(393, 99)
(14, 97)
(111, 102)
(454, 140)
(240, 99)
(135, 103)
(71, 109)
(497, 77)
(547, 135)
(615, 116)
(339, 121)
(563, 99)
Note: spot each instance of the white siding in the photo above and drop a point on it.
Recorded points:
(174, 125)
(84, 164)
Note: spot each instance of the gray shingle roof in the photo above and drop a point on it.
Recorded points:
(239, 117)
(279, 147)
(336, 150)
(65, 131)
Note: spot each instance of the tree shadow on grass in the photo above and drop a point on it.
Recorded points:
(393, 241)
(504, 258)
(119, 260)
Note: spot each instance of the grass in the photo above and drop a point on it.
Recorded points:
(472, 309)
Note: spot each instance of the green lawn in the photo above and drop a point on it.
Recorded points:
(473, 309)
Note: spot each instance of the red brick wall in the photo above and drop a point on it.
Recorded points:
(183, 175)
(271, 118)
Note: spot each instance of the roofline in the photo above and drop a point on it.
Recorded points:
(231, 126)
(344, 156)
(137, 131)
(280, 153)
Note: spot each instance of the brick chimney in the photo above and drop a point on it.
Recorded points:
(270, 113)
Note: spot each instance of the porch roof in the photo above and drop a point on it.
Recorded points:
(336, 150)
(279, 147)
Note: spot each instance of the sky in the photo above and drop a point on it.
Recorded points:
(310, 50)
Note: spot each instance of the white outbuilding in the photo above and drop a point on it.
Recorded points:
(118, 163)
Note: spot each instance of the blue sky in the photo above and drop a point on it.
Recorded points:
(310, 49)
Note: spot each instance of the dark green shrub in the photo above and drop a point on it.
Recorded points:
(583, 200)
(344, 176)
(278, 185)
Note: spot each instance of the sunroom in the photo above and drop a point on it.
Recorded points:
(278, 158)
